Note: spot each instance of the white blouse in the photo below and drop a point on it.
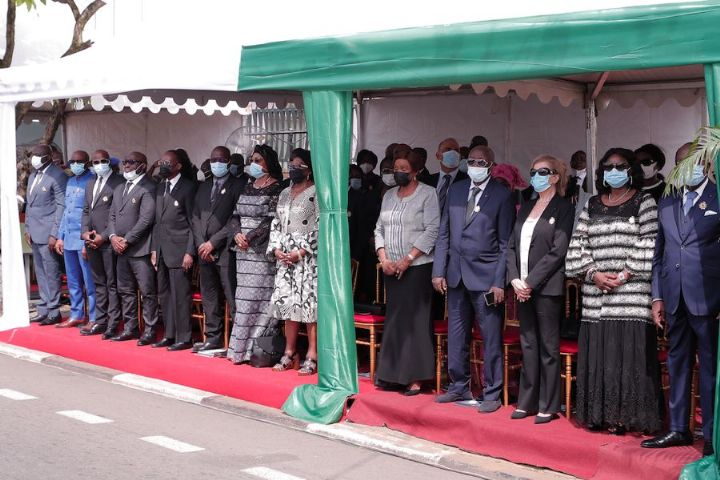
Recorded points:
(525, 238)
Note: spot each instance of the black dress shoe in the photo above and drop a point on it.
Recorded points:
(38, 319)
(124, 337)
(708, 448)
(545, 419)
(670, 439)
(179, 346)
(51, 321)
(146, 339)
(520, 414)
(165, 342)
(94, 330)
(108, 335)
(207, 346)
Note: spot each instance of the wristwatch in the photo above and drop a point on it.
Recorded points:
(410, 257)
(622, 277)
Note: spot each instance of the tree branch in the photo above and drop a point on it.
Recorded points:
(6, 60)
(21, 109)
(58, 112)
(81, 19)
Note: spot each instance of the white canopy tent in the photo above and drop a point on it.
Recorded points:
(171, 45)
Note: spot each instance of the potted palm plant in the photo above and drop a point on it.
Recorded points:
(704, 150)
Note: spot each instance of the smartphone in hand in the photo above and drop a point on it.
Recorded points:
(489, 299)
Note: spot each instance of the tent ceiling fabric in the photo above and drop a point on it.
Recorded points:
(499, 50)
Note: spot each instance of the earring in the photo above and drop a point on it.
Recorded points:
(630, 180)
(604, 183)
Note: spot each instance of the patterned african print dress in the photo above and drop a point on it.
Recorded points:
(618, 371)
(295, 228)
(255, 211)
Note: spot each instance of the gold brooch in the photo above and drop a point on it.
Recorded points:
(703, 205)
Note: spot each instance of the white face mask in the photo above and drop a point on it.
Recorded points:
(581, 172)
(478, 174)
(388, 179)
(648, 171)
(37, 162)
(131, 176)
(366, 168)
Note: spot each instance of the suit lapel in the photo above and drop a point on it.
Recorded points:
(226, 186)
(483, 200)
(548, 215)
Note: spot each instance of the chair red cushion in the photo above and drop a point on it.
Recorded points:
(196, 296)
(568, 346)
(511, 336)
(662, 356)
(440, 327)
(367, 318)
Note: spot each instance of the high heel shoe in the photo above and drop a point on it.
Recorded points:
(545, 419)
(309, 367)
(287, 362)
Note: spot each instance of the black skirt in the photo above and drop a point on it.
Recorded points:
(407, 354)
(618, 375)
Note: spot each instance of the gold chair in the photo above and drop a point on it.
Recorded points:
(373, 324)
(196, 309)
(440, 330)
(569, 348)
(354, 267)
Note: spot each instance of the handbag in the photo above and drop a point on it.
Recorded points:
(267, 350)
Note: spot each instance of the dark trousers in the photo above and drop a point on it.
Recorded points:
(135, 273)
(107, 303)
(215, 278)
(685, 332)
(540, 342)
(174, 285)
(48, 273)
(466, 308)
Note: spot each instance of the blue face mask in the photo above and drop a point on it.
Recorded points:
(219, 169)
(478, 174)
(77, 169)
(356, 183)
(101, 169)
(540, 183)
(234, 169)
(451, 159)
(255, 170)
(698, 176)
(616, 178)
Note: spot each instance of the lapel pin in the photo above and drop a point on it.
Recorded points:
(476, 209)
(703, 205)
(105, 199)
(552, 220)
(44, 189)
(176, 203)
(631, 220)
(133, 200)
(222, 192)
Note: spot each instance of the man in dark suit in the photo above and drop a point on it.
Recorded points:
(44, 209)
(423, 174)
(132, 216)
(470, 263)
(214, 205)
(448, 154)
(173, 249)
(577, 182)
(96, 215)
(686, 274)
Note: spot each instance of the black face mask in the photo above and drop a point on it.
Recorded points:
(296, 175)
(402, 179)
(165, 171)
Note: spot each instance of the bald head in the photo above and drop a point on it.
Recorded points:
(682, 152)
(445, 145)
(481, 152)
(100, 154)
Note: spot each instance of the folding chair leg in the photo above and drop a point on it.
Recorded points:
(438, 362)
(372, 354)
(141, 321)
(227, 326)
(506, 374)
(568, 385)
(693, 399)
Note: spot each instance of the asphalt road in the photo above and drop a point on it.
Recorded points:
(138, 435)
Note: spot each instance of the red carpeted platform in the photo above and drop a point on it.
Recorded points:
(559, 445)
(217, 375)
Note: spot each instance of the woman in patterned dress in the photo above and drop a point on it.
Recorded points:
(250, 231)
(293, 242)
(612, 249)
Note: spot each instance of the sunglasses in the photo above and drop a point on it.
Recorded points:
(297, 167)
(477, 162)
(130, 161)
(647, 162)
(82, 162)
(621, 167)
(543, 172)
(102, 161)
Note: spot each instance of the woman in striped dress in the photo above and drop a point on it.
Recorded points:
(612, 250)
(250, 233)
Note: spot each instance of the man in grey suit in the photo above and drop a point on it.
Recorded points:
(95, 219)
(43, 214)
(132, 216)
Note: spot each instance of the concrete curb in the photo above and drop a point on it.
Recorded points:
(374, 438)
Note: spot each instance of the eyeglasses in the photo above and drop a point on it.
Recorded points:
(621, 167)
(647, 162)
(479, 162)
(101, 161)
(130, 161)
(302, 166)
(543, 172)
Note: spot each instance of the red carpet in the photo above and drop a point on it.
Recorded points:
(559, 445)
(257, 385)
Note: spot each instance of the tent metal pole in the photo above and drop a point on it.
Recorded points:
(14, 294)
(591, 143)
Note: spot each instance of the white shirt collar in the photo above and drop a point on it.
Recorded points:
(698, 190)
(441, 179)
(481, 187)
(174, 181)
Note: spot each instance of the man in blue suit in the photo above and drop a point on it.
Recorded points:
(44, 210)
(686, 274)
(469, 267)
(71, 246)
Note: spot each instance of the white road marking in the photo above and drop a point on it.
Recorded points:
(23, 353)
(15, 395)
(180, 392)
(172, 444)
(269, 474)
(84, 416)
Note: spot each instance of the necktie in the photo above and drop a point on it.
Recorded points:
(167, 188)
(128, 184)
(214, 192)
(471, 203)
(689, 200)
(98, 188)
(442, 195)
(38, 176)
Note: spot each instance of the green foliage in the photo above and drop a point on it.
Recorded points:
(704, 150)
(30, 4)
